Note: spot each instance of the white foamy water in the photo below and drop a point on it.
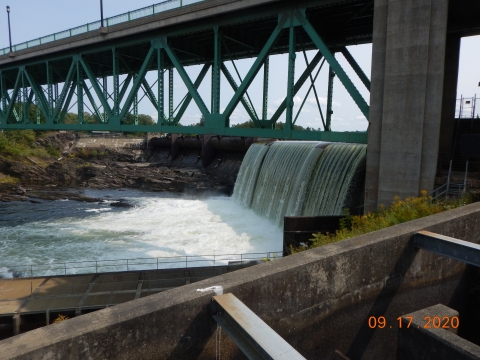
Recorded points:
(159, 225)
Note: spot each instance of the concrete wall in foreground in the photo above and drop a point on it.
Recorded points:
(319, 301)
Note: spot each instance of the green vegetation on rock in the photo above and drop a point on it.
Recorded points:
(21, 143)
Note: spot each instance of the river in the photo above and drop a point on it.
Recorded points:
(47, 237)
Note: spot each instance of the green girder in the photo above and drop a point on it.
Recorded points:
(23, 88)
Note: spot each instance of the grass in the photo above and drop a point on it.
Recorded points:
(399, 212)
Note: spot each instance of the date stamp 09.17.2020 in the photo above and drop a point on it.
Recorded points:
(429, 322)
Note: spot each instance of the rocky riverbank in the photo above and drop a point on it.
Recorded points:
(31, 179)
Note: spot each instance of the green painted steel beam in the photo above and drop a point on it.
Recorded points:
(186, 79)
(301, 80)
(39, 95)
(96, 87)
(290, 82)
(255, 67)
(343, 77)
(358, 70)
(161, 86)
(350, 137)
(148, 91)
(49, 88)
(60, 102)
(188, 98)
(11, 104)
(170, 94)
(92, 101)
(244, 101)
(137, 82)
(67, 101)
(116, 85)
(266, 75)
(312, 85)
(216, 70)
(79, 92)
(331, 78)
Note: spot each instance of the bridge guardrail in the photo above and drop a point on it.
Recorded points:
(136, 264)
(111, 21)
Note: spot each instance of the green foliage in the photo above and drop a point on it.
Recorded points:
(399, 212)
(18, 143)
(8, 179)
(245, 125)
(200, 123)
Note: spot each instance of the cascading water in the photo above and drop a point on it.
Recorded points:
(301, 178)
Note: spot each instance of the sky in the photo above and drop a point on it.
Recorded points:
(31, 19)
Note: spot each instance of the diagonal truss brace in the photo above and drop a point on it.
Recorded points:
(255, 67)
(358, 70)
(186, 79)
(249, 109)
(335, 66)
(188, 97)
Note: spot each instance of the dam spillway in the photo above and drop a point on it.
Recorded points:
(299, 178)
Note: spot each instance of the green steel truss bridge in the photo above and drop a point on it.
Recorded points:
(103, 71)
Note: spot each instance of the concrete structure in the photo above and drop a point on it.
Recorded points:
(419, 338)
(414, 77)
(319, 301)
(30, 303)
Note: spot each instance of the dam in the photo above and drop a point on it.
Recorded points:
(327, 295)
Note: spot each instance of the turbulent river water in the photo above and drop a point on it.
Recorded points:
(158, 225)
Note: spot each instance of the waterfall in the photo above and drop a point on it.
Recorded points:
(296, 178)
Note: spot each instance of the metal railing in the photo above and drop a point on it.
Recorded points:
(450, 189)
(466, 108)
(111, 21)
(137, 264)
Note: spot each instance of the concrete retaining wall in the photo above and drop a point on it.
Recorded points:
(431, 334)
(319, 301)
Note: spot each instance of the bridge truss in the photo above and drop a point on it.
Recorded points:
(109, 79)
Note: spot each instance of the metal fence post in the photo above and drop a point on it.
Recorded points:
(186, 262)
(157, 263)
(96, 267)
(127, 264)
(213, 260)
(65, 265)
(31, 270)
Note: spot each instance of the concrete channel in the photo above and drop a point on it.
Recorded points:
(320, 301)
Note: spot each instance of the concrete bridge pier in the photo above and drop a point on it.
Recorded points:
(414, 75)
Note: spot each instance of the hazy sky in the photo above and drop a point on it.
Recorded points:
(31, 19)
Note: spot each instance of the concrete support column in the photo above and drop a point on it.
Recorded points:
(452, 59)
(409, 44)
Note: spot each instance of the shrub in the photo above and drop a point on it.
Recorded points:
(399, 212)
